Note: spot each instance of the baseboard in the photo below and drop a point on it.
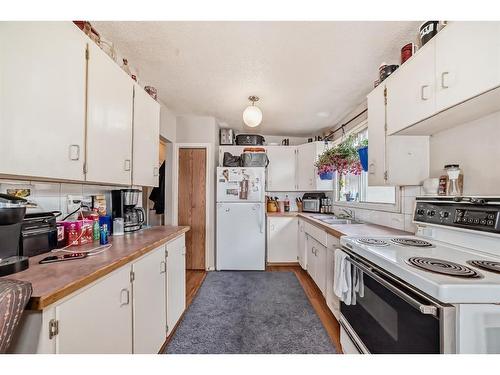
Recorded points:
(282, 264)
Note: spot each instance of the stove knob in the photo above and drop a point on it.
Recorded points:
(444, 214)
(432, 213)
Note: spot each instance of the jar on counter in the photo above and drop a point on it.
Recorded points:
(454, 186)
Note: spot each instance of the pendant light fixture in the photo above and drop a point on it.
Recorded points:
(252, 115)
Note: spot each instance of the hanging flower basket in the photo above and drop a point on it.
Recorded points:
(363, 157)
(343, 159)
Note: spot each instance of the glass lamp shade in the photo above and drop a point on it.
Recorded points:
(252, 116)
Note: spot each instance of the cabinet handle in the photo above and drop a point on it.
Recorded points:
(74, 152)
(127, 295)
(371, 168)
(422, 92)
(126, 165)
(163, 266)
(156, 171)
(443, 77)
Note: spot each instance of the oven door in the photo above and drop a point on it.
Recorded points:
(389, 317)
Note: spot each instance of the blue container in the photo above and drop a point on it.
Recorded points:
(326, 176)
(363, 157)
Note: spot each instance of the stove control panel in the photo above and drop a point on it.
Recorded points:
(485, 218)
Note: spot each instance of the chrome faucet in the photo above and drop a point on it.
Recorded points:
(350, 213)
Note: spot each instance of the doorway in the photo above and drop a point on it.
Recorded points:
(192, 203)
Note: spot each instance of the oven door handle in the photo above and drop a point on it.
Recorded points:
(424, 309)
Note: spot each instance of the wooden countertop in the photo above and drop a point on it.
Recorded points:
(54, 281)
(339, 230)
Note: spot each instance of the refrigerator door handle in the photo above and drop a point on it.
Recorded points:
(260, 215)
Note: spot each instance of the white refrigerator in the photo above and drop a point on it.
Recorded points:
(241, 239)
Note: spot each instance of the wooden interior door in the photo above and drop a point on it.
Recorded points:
(192, 203)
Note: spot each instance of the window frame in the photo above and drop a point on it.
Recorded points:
(387, 207)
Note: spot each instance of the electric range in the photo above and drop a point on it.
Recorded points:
(435, 292)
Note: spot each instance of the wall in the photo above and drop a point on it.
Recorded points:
(52, 196)
(196, 130)
(475, 146)
(168, 123)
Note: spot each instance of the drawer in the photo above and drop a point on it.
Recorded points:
(318, 234)
(332, 242)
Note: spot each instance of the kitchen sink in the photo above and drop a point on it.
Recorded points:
(333, 220)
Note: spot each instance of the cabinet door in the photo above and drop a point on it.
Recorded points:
(281, 245)
(149, 302)
(306, 156)
(146, 139)
(99, 319)
(281, 168)
(332, 300)
(411, 90)
(301, 243)
(176, 281)
(395, 159)
(320, 271)
(311, 257)
(42, 99)
(109, 120)
(376, 136)
(467, 61)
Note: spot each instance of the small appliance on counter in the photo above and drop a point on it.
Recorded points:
(311, 202)
(12, 211)
(249, 140)
(124, 204)
(38, 234)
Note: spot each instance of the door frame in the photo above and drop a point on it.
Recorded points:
(209, 189)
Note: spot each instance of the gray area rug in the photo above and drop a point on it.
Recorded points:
(250, 312)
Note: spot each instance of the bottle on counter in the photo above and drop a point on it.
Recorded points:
(103, 240)
(287, 204)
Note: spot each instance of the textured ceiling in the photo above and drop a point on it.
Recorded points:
(298, 69)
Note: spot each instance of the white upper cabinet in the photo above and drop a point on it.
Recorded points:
(109, 120)
(396, 159)
(42, 99)
(307, 176)
(376, 136)
(467, 61)
(411, 90)
(453, 79)
(281, 171)
(146, 139)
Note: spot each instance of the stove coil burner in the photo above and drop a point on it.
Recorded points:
(372, 242)
(443, 267)
(412, 242)
(487, 265)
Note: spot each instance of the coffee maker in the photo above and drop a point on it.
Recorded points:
(12, 211)
(123, 204)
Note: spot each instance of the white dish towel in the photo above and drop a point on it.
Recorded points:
(342, 279)
(347, 280)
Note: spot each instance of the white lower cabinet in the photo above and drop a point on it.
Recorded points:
(332, 300)
(301, 244)
(280, 246)
(97, 319)
(316, 263)
(131, 310)
(176, 282)
(149, 302)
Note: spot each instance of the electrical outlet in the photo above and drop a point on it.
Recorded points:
(74, 202)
